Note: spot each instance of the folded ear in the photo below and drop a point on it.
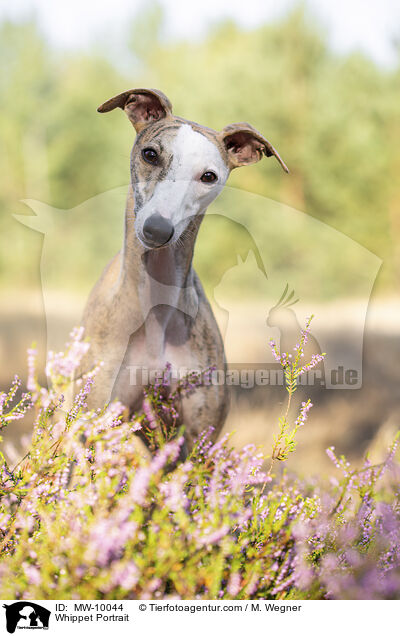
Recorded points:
(142, 106)
(245, 145)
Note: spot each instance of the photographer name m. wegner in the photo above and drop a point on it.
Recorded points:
(246, 378)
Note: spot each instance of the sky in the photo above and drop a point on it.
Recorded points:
(367, 25)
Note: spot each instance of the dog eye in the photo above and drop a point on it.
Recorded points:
(150, 156)
(208, 177)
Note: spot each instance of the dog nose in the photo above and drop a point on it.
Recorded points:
(157, 230)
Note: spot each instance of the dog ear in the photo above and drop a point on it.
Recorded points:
(245, 145)
(142, 106)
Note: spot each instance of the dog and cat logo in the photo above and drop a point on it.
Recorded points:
(26, 615)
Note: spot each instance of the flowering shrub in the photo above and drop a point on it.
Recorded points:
(285, 442)
(87, 513)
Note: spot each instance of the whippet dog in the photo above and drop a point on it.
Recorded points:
(149, 308)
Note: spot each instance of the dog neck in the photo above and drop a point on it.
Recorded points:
(162, 280)
(170, 266)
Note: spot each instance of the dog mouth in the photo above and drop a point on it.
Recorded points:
(149, 244)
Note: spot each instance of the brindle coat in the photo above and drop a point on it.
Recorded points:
(149, 306)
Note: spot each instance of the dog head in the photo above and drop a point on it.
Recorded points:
(177, 166)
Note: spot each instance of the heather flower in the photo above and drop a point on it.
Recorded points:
(19, 410)
(63, 365)
(140, 484)
(302, 417)
(316, 358)
(32, 574)
(234, 584)
(285, 441)
(99, 518)
(80, 399)
(208, 538)
(148, 411)
(330, 452)
(124, 575)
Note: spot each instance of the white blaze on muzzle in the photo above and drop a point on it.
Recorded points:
(180, 194)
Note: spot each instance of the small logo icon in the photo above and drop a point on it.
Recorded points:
(26, 615)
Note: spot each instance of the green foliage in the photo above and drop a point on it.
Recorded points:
(293, 367)
(86, 514)
(333, 119)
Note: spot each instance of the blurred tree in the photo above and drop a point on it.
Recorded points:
(333, 118)
(146, 30)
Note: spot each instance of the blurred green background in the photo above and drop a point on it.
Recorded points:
(333, 116)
